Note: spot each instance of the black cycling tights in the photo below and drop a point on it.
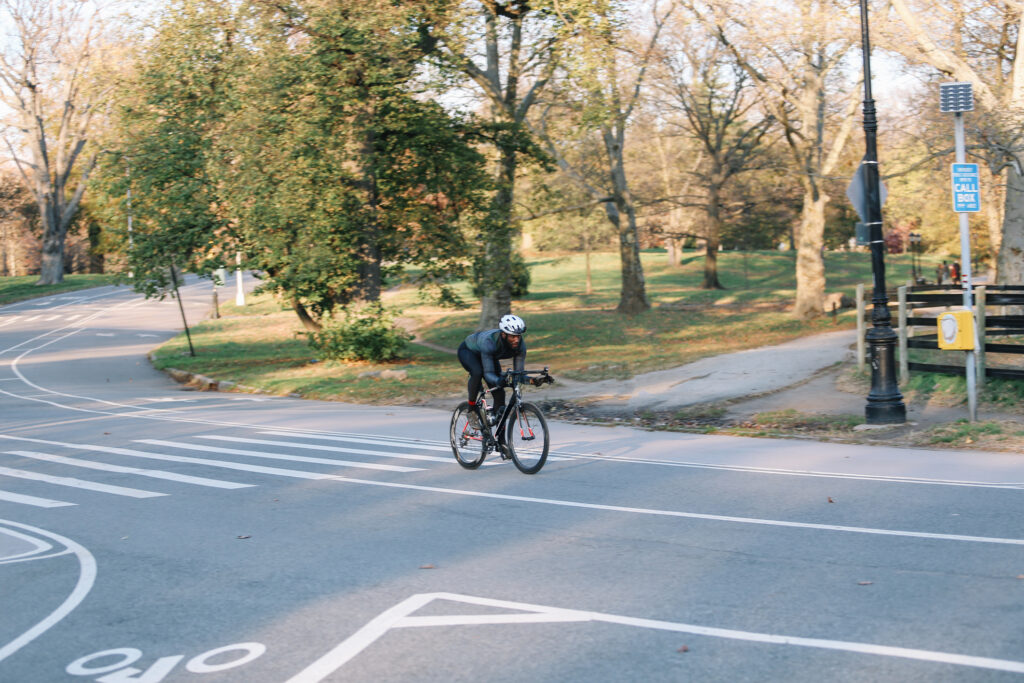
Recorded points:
(474, 366)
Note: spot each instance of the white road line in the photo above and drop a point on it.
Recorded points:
(38, 546)
(548, 501)
(52, 317)
(353, 439)
(79, 483)
(394, 444)
(154, 474)
(278, 456)
(797, 473)
(333, 449)
(399, 616)
(28, 320)
(34, 501)
(86, 578)
(259, 469)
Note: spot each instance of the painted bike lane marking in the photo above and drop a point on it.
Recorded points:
(86, 579)
(401, 616)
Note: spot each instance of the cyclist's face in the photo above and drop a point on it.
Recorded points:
(513, 339)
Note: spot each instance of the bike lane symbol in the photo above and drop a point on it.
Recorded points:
(122, 671)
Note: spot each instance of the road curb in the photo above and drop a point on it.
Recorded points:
(204, 383)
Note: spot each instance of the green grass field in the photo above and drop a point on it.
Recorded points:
(578, 335)
(23, 287)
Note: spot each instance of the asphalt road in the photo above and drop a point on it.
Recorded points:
(153, 534)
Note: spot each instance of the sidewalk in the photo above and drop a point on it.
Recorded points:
(745, 374)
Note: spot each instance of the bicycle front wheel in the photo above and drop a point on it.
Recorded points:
(527, 438)
(467, 442)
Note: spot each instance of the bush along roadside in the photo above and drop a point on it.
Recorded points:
(367, 333)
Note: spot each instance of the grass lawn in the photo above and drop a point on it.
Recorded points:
(23, 287)
(578, 335)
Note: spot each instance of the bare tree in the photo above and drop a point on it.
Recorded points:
(603, 83)
(720, 109)
(46, 79)
(793, 54)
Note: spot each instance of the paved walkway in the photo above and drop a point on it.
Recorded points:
(744, 374)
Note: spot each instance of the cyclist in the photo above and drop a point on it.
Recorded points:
(479, 354)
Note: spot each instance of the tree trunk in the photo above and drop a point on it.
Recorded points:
(672, 252)
(713, 238)
(498, 235)
(586, 257)
(304, 316)
(1010, 267)
(51, 259)
(97, 260)
(633, 298)
(810, 266)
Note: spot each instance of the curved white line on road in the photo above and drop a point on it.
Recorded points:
(86, 579)
(38, 546)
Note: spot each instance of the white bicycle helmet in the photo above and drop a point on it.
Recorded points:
(512, 324)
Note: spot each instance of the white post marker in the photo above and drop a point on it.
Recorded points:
(958, 98)
(239, 292)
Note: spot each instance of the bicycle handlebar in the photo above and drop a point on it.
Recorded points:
(516, 376)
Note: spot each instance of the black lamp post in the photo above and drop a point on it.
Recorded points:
(885, 403)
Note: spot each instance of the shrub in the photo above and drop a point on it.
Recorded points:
(367, 333)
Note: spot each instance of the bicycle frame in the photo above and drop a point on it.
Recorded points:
(488, 430)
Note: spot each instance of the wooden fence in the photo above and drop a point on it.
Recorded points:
(988, 299)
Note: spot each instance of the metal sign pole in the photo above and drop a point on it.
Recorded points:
(965, 272)
(181, 307)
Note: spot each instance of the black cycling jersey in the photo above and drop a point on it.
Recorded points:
(491, 347)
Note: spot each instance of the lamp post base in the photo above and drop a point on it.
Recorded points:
(885, 402)
(888, 413)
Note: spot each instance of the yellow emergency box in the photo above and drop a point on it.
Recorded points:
(956, 330)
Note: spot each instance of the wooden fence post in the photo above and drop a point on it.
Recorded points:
(979, 322)
(860, 327)
(901, 292)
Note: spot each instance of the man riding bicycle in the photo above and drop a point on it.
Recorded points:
(480, 353)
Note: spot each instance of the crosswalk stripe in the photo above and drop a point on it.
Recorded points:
(32, 500)
(52, 317)
(155, 474)
(79, 483)
(28, 320)
(333, 449)
(278, 456)
(355, 439)
(259, 469)
(379, 442)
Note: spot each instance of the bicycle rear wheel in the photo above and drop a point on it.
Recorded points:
(467, 442)
(527, 438)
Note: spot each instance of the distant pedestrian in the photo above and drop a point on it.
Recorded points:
(941, 273)
(954, 272)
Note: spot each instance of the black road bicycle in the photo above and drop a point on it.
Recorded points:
(520, 433)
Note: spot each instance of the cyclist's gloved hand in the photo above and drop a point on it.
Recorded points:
(536, 381)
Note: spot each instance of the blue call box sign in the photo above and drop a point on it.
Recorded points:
(966, 188)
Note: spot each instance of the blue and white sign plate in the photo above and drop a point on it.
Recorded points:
(966, 188)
